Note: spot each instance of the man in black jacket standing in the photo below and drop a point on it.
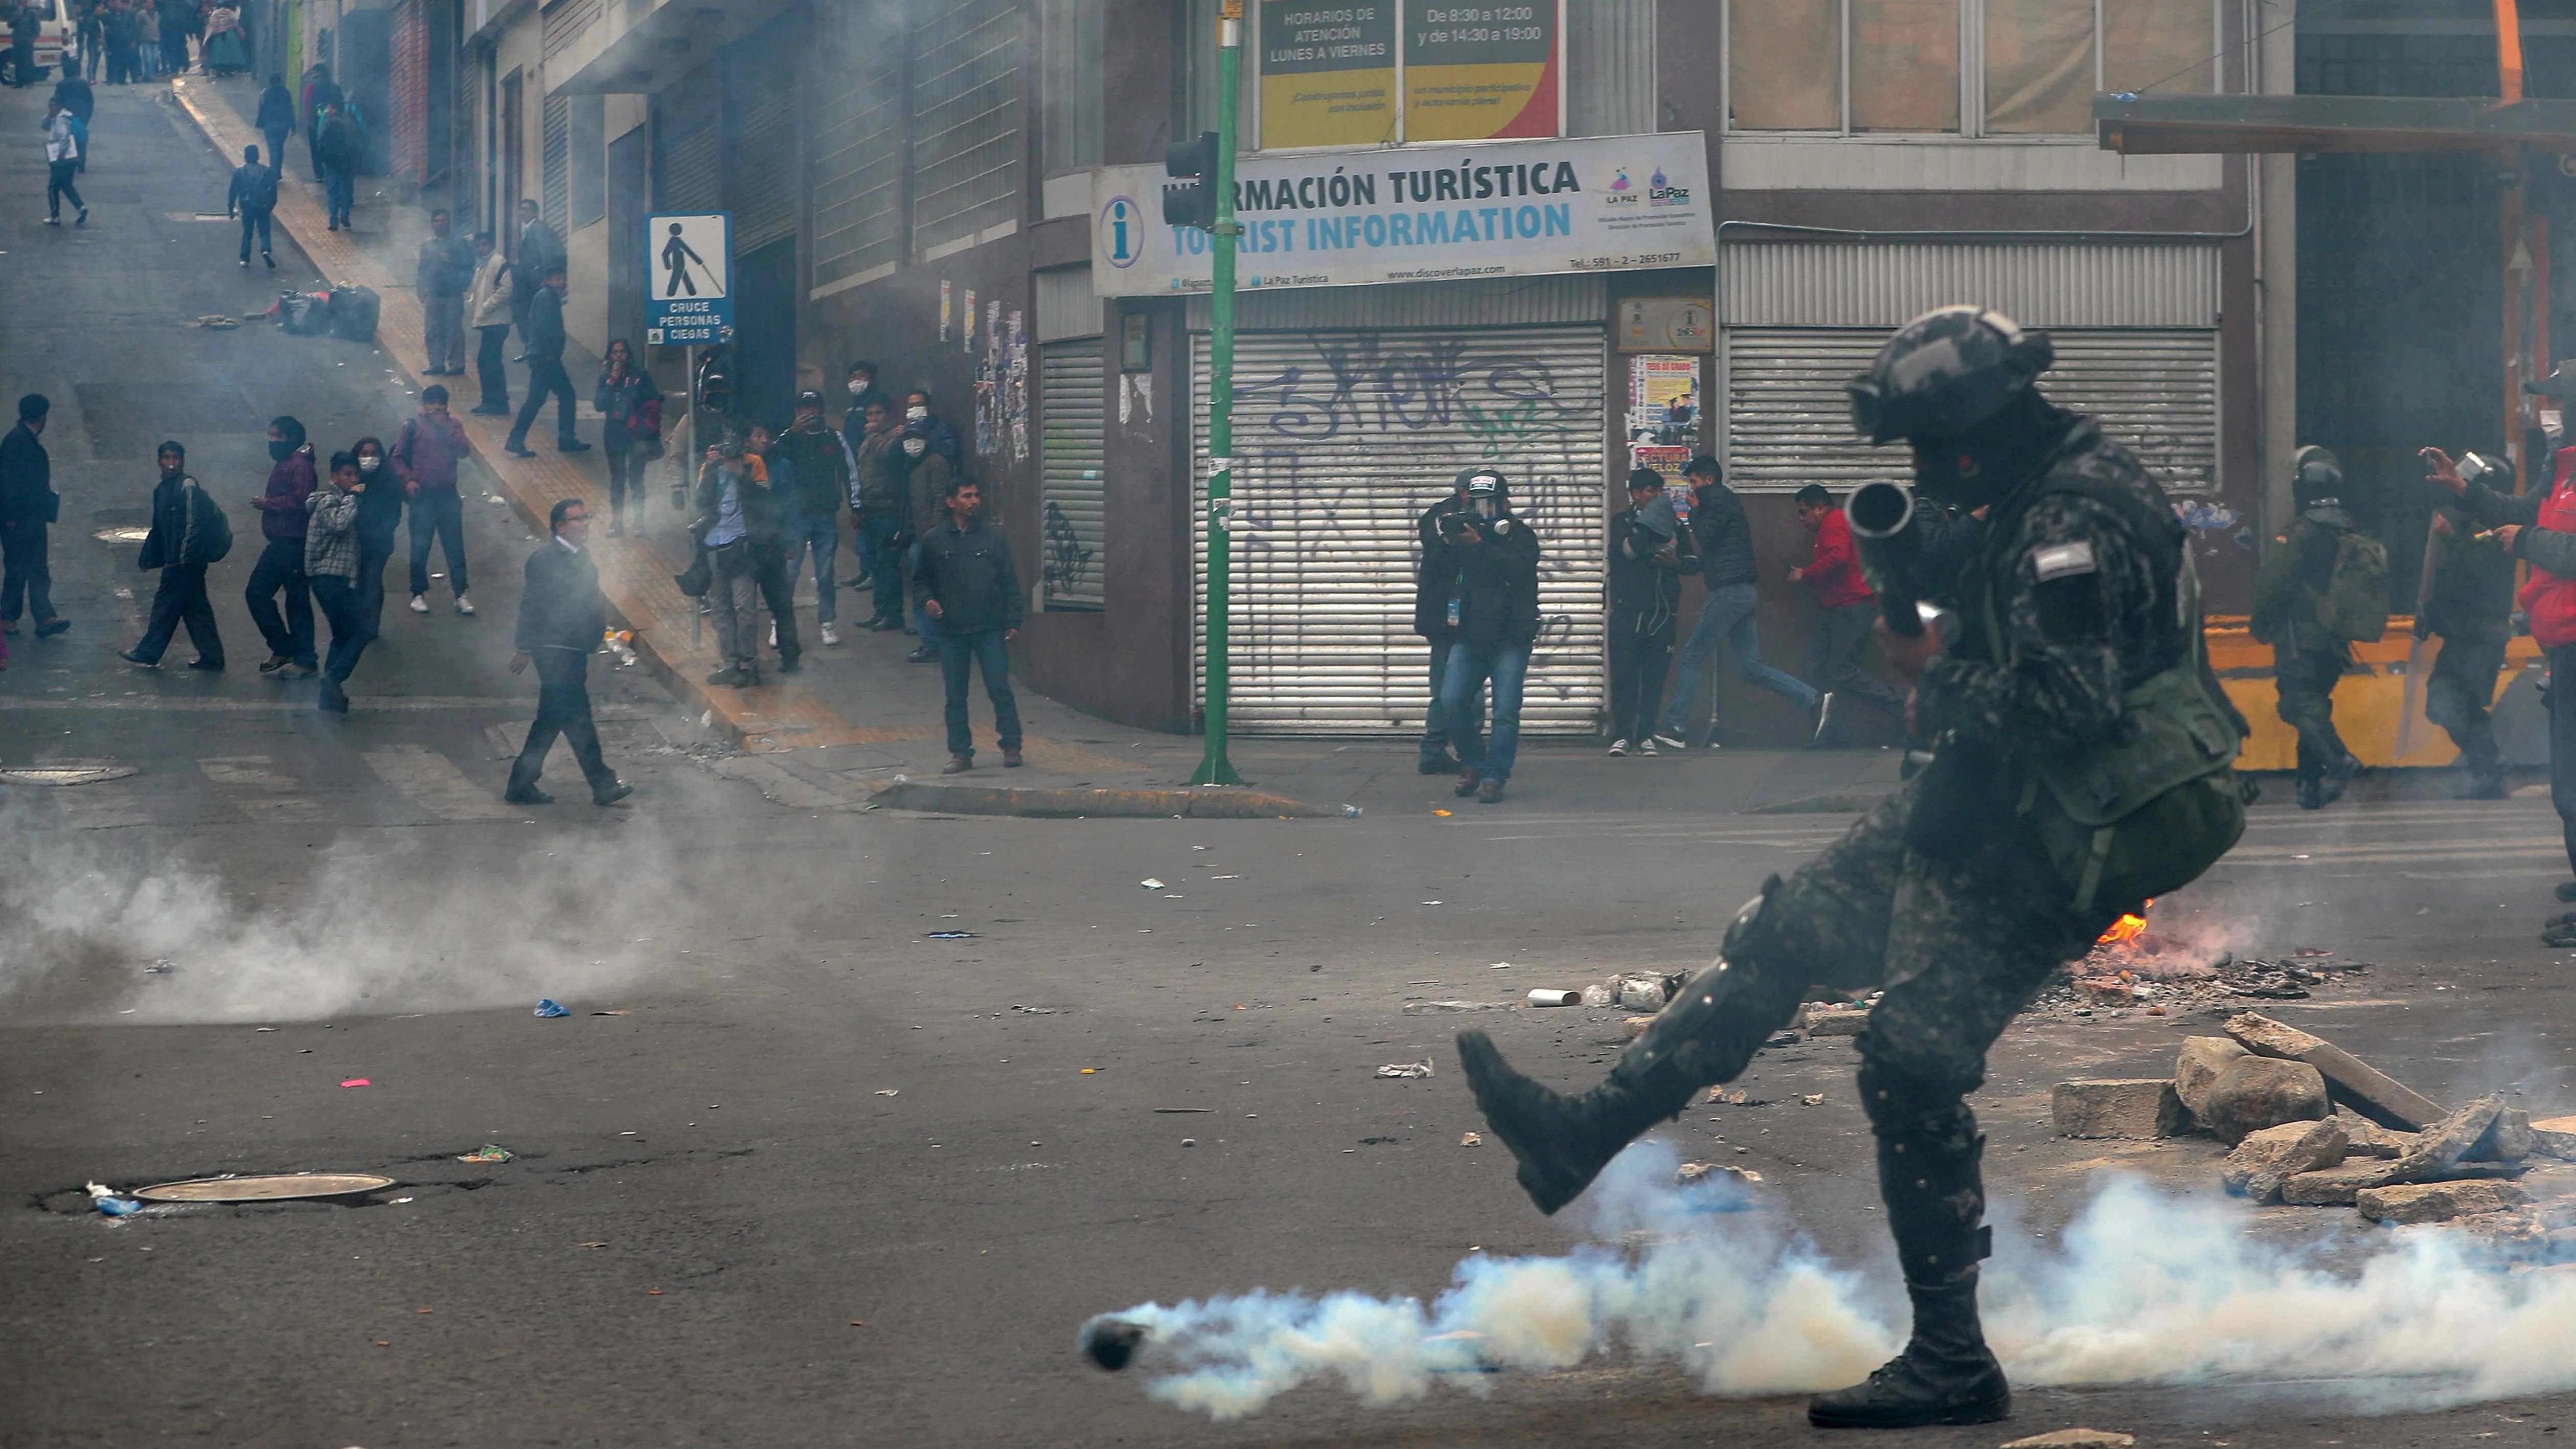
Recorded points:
(28, 504)
(964, 579)
(1649, 553)
(546, 375)
(1726, 616)
(561, 617)
(1435, 590)
(1497, 625)
(189, 531)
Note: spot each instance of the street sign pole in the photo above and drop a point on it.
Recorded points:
(1215, 768)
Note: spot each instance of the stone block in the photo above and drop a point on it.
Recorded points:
(2259, 1092)
(1823, 1020)
(2439, 1148)
(2370, 1091)
(2202, 1061)
(2104, 991)
(2335, 1186)
(2075, 1439)
(2365, 1138)
(2141, 1108)
(2509, 1140)
(2435, 1202)
(2268, 1158)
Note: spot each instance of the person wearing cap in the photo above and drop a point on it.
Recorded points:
(1849, 608)
(1497, 613)
(821, 486)
(1727, 615)
(1649, 553)
(1435, 592)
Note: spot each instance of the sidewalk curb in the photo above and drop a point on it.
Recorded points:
(765, 718)
(1070, 804)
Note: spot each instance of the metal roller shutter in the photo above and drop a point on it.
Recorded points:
(1341, 440)
(760, 144)
(1788, 420)
(1071, 464)
(688, 166)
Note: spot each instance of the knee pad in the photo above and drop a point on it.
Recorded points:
(1747, 936)
(1915, 1107)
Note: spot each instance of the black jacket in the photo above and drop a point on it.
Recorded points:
(254, 189)
(969, 572)
(1435, 582)
(561, 607)
(1498, 582)
(276, 113)
(545, 326)
(2546, 548)
(380, 508)
(26, 479)
(2472, 594)
(1645, 590)
(822, 471)
(1725, 539)
(185, 525)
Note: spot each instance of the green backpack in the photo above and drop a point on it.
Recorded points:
(2355, 605)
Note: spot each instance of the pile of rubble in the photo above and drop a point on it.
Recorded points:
(2311, 1124)
(2113, 980)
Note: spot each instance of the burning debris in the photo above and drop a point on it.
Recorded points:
(2165, 973)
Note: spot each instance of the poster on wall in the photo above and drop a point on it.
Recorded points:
(1327, 74)
(1663, 400)
(1474, 72)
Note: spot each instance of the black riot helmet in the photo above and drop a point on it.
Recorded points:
(1946, 372)
(2318, 477)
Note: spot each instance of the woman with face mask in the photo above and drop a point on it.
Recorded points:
(380, 511)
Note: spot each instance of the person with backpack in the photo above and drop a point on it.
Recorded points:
(189, 531)
(2324, 585)
(253, 198)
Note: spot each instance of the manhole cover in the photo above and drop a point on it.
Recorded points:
(63, 774)
(281, 1187)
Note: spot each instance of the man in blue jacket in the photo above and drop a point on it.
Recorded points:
(1726, 616)
(965, 580)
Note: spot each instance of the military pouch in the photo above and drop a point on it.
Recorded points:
(2128, 822)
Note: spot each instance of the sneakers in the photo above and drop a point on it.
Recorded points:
(773, 633)
(921, 654)
(571, 445)
(1011, 759)
(274, 663)
(135, 656)
(272, 261)
(730, 677)
(527, 795)
(1648, 747)
(465, 606)
(885, 624)
(83, 218)
(1824, 721)
(958, 765)
(419, 604)
(491, 410)
(334, 699)
(831, 635)
(1618, 747)
(615, 791)
(207, 666)
(518, 450)
(54, 220)
(2561, 930)
(1669, 739)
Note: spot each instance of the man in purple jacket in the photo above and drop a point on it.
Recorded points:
(426, 453)
(281, 560)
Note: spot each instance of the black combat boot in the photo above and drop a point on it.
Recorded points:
(1946, 1375)
(1708, 1035)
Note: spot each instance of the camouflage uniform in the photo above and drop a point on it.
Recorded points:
(2307, 660)
(2470, 606)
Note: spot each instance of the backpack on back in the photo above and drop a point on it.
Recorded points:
(2355, 604)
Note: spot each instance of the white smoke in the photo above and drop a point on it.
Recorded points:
(2145, 1287)
(378, 923)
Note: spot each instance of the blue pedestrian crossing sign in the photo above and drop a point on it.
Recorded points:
(689, 267)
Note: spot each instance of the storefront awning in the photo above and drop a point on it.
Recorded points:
(2165, 125)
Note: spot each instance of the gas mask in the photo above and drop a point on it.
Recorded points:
(1485, 507)
(915, 447)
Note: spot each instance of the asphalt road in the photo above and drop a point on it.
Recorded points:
(818, 1177)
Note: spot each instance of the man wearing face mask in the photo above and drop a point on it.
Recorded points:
(380, 512)
(864, 393)
(927, 471)
(281, 561)
(1497, 611)
(2083, 763)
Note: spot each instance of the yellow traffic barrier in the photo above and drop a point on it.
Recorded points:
(2374, 709)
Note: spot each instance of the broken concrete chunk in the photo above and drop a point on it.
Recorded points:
(2334, 1186)
(2365, 1088)
(1600, 993)
(2365, 1138)
(2259, 1092)
(1429, 1008)
(2268, 1158)
(2555, 1137)
(1405, 1069)
(2509, 1140)
(2440, 1147)
(2435, 1202)
(2104, 991)
(2075, 1439)
(1642, 993)
(1820, 1019)
(2202, 1061)
(2144, 1108)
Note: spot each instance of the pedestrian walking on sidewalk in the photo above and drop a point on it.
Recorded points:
(487, 311)
(319, 92)
(331, 565)
(24, 23)
(62, 158)
(282, 518)
(965, 580)
(28, 507)
(252, 198)
(276, 119)
(733, 508)
(539, 252)
(546, 375)
(630, 431)
(1727, 612)
(821, 489)
(426, 454)
(444, 271)
(1839, 652)
(561, 618)
(883, 503)
(189, 531)
(342, 146)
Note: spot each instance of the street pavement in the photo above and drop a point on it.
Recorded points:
(796, 1169)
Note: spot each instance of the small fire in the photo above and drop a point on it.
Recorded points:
(2127, 928)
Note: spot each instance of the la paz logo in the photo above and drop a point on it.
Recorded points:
(1660, 192)
(1623, 192)
(1122, 231)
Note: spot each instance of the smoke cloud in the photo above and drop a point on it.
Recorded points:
(376, 924)
(2145, 1287)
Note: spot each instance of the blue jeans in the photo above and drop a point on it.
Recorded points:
(438, 516)
(1435, 720)
(876, 546)
(341, 187)
(342, 607)
(959, 655)
(1728, 617)
(821, 533)
(1506, 667)
(255, 220)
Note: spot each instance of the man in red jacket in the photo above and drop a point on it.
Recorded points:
(1840, 645)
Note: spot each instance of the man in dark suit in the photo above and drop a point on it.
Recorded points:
(538, 249)
(561, 618)
(546, 375)
(28, 504)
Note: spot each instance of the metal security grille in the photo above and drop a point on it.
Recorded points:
(688, 166)
(760, 136)
(1073, 494)
(1341, 439)
(965, 105)
(1610, 67)
(565, 21)
(857, 140)
(558, 180)
(1788, 420)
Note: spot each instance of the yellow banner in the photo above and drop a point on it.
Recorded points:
(1479, 72)
(1327, 74)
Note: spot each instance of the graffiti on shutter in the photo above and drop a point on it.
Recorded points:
(1072, 486)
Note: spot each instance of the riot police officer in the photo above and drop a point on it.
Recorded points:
(2083, 763)
(2324, 587)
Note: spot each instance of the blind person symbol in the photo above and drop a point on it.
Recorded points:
(689, 259)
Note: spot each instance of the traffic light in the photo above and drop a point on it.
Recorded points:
(1190, 200)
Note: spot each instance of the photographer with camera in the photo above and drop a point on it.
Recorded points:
(1495, 601)
(1435, 601)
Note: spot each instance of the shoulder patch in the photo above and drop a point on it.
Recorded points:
(2059, 560)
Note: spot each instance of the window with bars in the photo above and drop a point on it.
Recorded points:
(856, 168)
(1956, 67)
(1071, 58)
(964, 103)
(558, 150)
(1609, 67)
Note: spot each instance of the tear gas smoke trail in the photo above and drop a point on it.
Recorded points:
(387, 929)
(2146, 1287)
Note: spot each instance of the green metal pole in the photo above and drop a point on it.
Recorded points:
(1215, 768)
